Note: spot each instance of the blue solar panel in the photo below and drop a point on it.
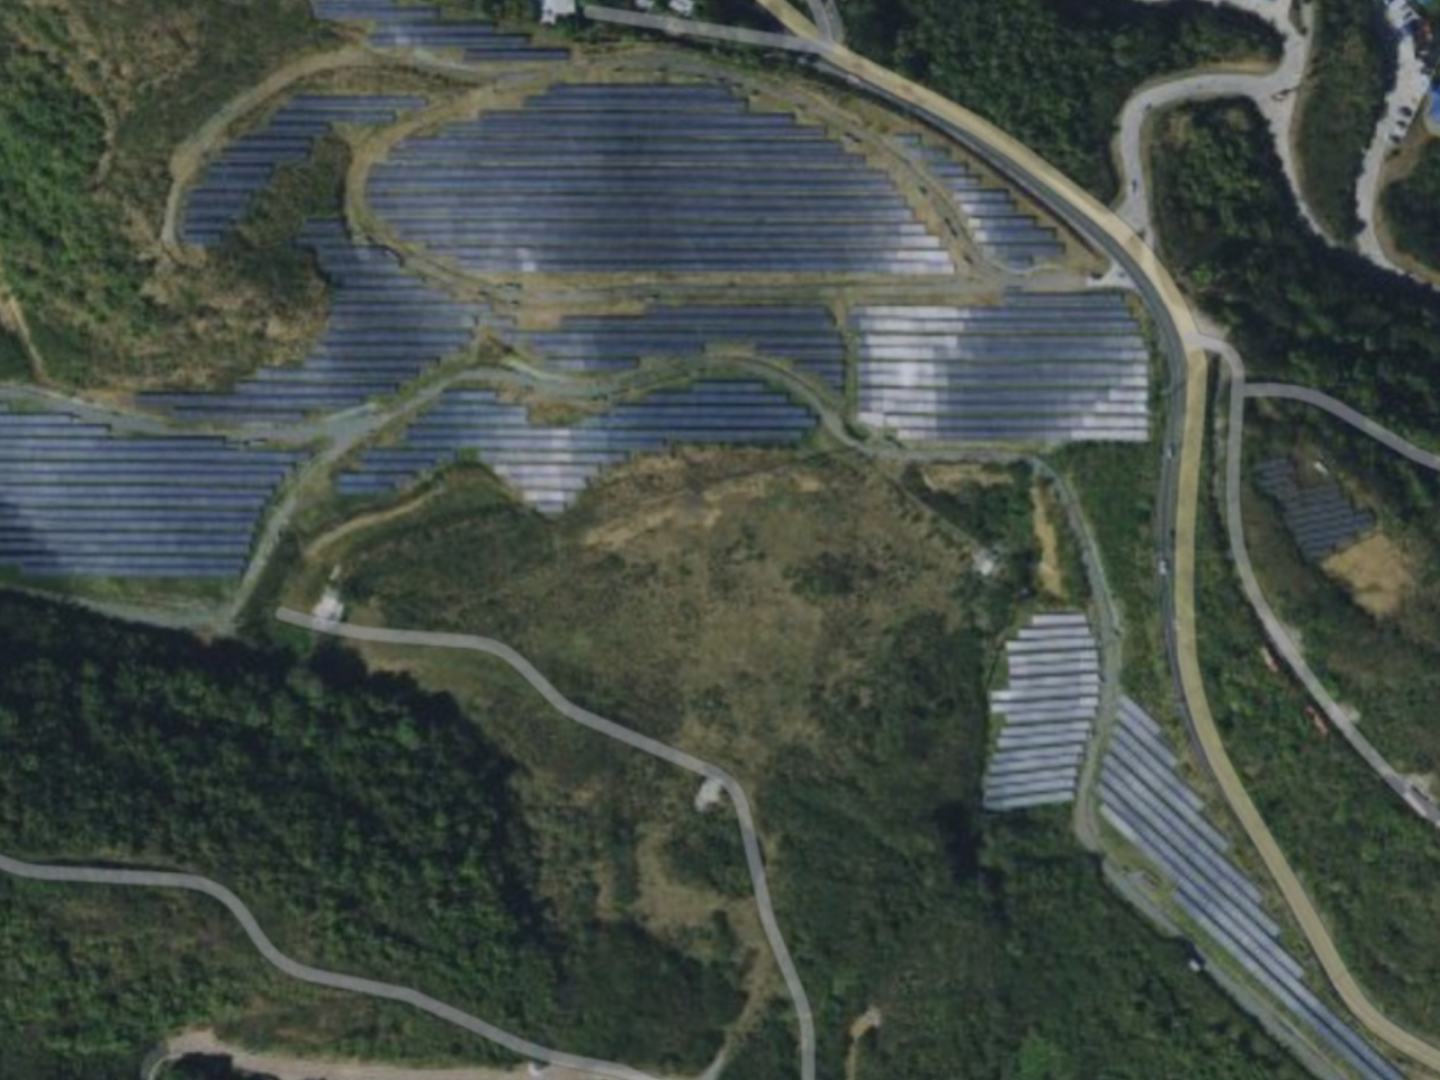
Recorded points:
(550, 465)
(76, 500)
(1148, 803)
(242, 169)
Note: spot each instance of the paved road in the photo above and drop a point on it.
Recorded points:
(827, 20)
(1184, 347)
(1409, 90)
(153, 879)
(1275, 93)
(563, 705)
(678, 27)
(1344, 412)
(1275, 630)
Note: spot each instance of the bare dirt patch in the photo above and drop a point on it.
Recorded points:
(1049, 572)
(1377, 573)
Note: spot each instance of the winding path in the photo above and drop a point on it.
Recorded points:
(1338, 409)
(155, 879)
(654, 747)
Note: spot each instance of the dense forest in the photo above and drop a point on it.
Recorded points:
(1299, 310)
(1412, 208)
(1350, 71)
(1053, 73)
(371, 826)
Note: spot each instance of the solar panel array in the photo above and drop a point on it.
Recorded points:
(1048, 710)
(385, 327)
(1143, 797)
(76, 500)
(1319, 516)
(549, 465)
(649, 177)
(229, 184)
(409, 26)
(806, 335)
(1037, 366)
(1005, 232)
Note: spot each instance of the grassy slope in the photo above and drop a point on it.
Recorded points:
(1412, 208)
(98, 94)
(1054, 73)
(1344, 98)
(1384, 667)
(1299, 310)
(818, 636)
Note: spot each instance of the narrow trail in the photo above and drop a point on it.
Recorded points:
(154, 879)
(654, 747)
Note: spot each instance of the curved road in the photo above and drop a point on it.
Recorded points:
(563, 705)
(154, 879)
(1275, 630)
(1358, 420)
(1185, 346)
(1275, 93)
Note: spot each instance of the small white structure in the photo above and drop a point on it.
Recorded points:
(552, 11)
(683, 7)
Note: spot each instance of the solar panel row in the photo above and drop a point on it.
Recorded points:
(549, 465)
(229, 184)
(1320, 517)
(1148, 803)
(1048, 367)
(409, 26)
(1047, 712)
(1003, 231)
(76, 500)
(385, 327)
(808, 336)
(652, 177)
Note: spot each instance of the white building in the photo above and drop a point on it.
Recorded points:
(552, 11)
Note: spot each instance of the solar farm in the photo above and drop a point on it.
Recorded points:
(78, 500)
(1002, 229)
(1319, 516)
(1047, 713)
(807, 336)
(1144, 797)
(385, 327)
(657, 176)
(646, 177)
(244, 168)
(423, 27)
(1049, 367)
(548, 466)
